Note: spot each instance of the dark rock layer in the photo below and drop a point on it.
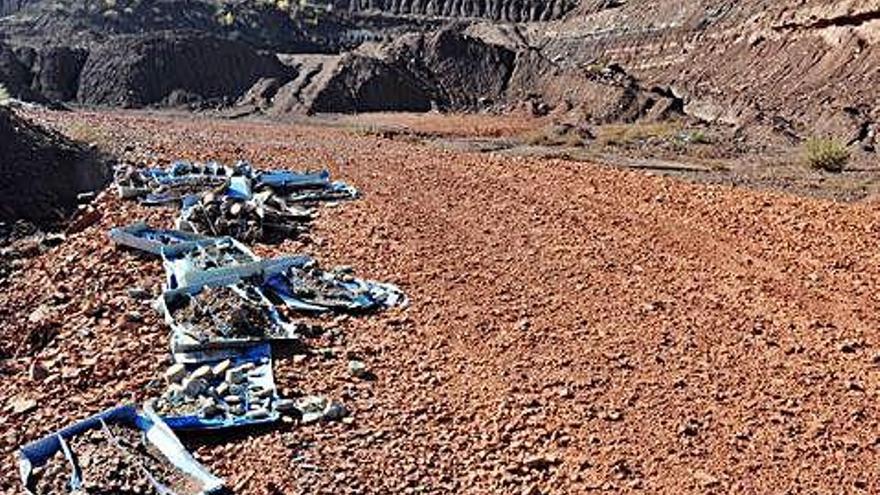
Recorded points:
(41, 172)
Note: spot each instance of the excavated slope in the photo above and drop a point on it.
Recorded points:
(497, 10)
(41, 172)
(809, 66)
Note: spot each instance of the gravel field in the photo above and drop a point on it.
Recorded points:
(572, 328)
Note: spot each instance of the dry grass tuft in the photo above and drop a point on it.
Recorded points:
(826, 154)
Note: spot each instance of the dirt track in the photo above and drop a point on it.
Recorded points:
(572, 328)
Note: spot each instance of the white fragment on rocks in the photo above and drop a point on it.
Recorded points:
(21, 405)
(201, 373)
(210, 407)
(311, 408)
(260, 413)
(232, 399)
(357, 369)
(175, 373)
(220, 368)
(222, 389)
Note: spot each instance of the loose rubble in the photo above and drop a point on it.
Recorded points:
(117, 451)
(215, 301)
(238, 201)
(216, 393)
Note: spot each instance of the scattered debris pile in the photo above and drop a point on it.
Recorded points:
(210, 317)
(119, 450)
(226, 389)
(220, 302)
(237, 201)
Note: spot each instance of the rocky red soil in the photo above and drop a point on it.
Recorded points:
(572, 328)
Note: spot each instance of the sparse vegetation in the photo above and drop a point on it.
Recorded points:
(558, 135)
(826, 154)
(87, 134)
(695, 137)
(626, 134)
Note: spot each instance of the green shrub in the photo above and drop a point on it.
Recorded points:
(826, 154)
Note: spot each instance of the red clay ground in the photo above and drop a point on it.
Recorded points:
(572, 328)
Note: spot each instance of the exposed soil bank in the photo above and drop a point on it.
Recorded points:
(42, 171)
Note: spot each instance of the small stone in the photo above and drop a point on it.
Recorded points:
(134, 317)
(613, 415)
(532, 490)
(193, 387)
(222, 388)
(849, 347)
(21, 405)
(309, 418)
(232, 399)
(139, 294)
(285, 405)
(855, 386)
(175, 373)
(539, 462)
(690, 429)
(335, 411)
(38, 315)
(523, 324)
(220, 368)
(706, 480)
(37, 372)
(201, 373)
(258, 413)
(357, 369)
(311, 403)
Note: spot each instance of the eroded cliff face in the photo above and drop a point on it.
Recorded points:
(496, 10)
(796, 67)
(801, 67)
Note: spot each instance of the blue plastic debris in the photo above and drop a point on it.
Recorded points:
(246, 377)
(237, 201)
(154, 241)
(212, 261)
(286, 179)
(300, 284)
(239, 188)
(211, 317)
(155, 432)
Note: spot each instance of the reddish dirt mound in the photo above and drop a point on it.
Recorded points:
(573, 328)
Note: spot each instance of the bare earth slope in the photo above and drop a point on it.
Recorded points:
(572, 328)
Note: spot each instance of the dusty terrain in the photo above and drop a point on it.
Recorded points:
(572, 327)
